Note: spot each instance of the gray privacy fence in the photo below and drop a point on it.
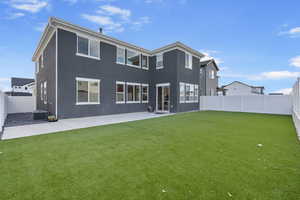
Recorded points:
(251, 103)
(3, 109)
(296, 106)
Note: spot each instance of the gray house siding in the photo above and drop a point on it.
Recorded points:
(71, 66)
(211, 83)
(187, 76)
(167, 74)
(47, 73)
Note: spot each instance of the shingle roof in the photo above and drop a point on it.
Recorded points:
(20, 81)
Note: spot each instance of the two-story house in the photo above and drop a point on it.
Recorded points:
(80, 72)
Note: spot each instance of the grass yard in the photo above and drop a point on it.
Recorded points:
(200, 155)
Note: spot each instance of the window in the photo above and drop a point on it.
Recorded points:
(159, 61)
(188, 60)
(88, 91)
(212, 92)
(37, 67)
(145, 62)
(87, 47)
(120, 55)
(145, 93)
(182, 92)
(42, 60)
(212, 74)
(45, 92)
(196, 93)
(133, 92)
(133, 58)
(120, 92)
(42, 93)
(187, 92)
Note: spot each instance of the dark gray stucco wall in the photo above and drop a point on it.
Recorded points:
(211, 83)
(187, 76)
(168, 74)
(47, 73)
(71, 66)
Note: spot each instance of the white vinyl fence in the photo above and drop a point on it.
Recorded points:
(252, 103)
(20, 104)
(3, 109)
(296, 106)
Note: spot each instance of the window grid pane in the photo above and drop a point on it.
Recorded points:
(133, 58)
(94, 48)
(83, 45)
(120, 55)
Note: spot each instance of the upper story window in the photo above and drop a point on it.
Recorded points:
(88, 47)
(42, 60)
(37, 67)
(133, 58)
(121, 55)
(88, 91)
(212, 74)
(145, 62)
(159, 61)
(188, 61)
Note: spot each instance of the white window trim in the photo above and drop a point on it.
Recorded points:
(42, 60)
(146, 68)
(42, 91)
(45, 92)
(121, 47)
(195, 98)
(88, 80)
(212, 74)
(160, 67)
(124, 91)
(37, 64)
(140, 59)
(134, 84)
(89, 44)
(182, 101)
(145, 85)
(190, 66)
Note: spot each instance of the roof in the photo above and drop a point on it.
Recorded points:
(244, 84)
(54, 23)
(20, 81)
(206, 62)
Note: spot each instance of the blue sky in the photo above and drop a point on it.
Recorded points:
(257, 42)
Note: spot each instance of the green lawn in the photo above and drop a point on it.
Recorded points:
(200, 155)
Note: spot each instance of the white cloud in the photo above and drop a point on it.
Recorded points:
(293, 32)
(209, 55)
(32, 6)
(71, 1)
(295, 61)
(272, 75)
(285, 91)
(114, 19)
(107, 22)
(113, 10)
(41, 27)
(15, 15)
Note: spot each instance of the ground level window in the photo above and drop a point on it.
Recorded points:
(182, 92)
(120, 92)
(88, 91)
(133, 92)
(145, 93)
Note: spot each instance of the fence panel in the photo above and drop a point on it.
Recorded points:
(256, 104)
(3, 109)
(296, 106)
(20, 104)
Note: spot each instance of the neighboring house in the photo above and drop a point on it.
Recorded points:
(80, 72)
(239, 88)
(21, 87)
(208, 78)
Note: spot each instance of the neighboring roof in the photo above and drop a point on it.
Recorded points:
(54, 23)
(244, 84)
(206, 62)
(20, 81)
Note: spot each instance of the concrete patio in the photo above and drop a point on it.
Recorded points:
(75, 123)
